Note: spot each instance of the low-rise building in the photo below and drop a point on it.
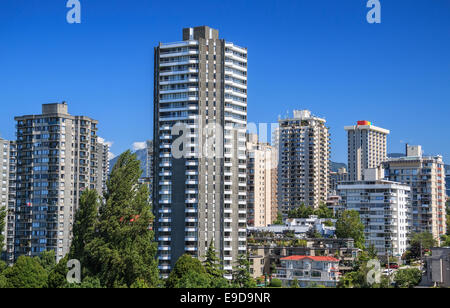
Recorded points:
(266, 251)
(300, 227)
(438, 267)
(309, 271)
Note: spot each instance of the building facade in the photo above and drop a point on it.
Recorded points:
(259, 182)
(447, 180)
(367, 148)
(4, 187)
(304, 161)
(200, 189)
(426, 177)
(384, 209)
(336, 178)
(103, 164)
(148, 174)
(57, 159)
(438, 268)
(309, 271)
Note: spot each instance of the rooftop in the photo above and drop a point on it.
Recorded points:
(314, 258)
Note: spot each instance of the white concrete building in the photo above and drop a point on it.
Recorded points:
(384, 209)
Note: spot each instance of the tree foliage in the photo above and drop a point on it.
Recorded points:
(241, 274)
(117, 246)
(214, 269)
(26, 273)
(188, 272)
(304, 211)
(419, 242)
(349, 225)
(408, 278)
(2, 226)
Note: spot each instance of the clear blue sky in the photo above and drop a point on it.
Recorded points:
(317, 54)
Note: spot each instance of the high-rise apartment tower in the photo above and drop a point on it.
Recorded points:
(200, 100)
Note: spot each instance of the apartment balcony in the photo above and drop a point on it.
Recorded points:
(175, 62)
(165, 201)
(164, 239)
(165, 257)
(182, 72)
(164, 248)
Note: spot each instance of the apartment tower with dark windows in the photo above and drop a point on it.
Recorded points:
(200, 195)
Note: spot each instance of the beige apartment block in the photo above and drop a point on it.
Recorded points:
(260, 197)
(426, 177)
(367, 148)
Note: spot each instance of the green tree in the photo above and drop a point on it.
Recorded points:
(26, 273)
(275, 283)
(213, 268)
(87, 283)
(349, 225)
(47, 260)
(279, 220)
(408, 278)
(84, 226)
(324, 211)
(188, 272)
(420, 242)
(295, 284)
(3, 280)
(2, 226)
(121, 250)
(445, 240)
(57, 278)
(302, 211)
(241, 275)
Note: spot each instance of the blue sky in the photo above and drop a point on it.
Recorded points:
(319, 55)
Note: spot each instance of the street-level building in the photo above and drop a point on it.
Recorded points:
(309, 271)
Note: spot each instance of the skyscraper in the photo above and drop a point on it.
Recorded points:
(200, 98)
(426, 177)
(367, 148)
(57, 159)
(304, 161)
